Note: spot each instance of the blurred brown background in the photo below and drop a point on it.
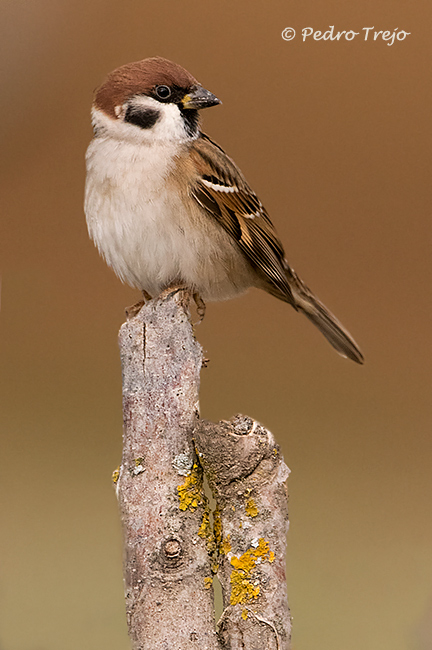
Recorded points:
(335, 139)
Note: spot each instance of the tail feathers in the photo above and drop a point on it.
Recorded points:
(323, 319)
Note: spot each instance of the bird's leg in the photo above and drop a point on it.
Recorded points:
(171, 289)
(200, 306)
(133, 310)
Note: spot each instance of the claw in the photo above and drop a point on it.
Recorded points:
(133, 310)
(200, 307)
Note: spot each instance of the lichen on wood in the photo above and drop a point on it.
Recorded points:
(169, 602)
(248, 479)
(173, 543)
(190, 492)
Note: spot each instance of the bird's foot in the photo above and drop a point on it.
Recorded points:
(133, 310)
(183, 292)
(200, 307)
(186, 295)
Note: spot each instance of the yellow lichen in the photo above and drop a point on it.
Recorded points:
(205, 528)
(205, 531)
(217, 526)
(190, 492)
(251, 509)
(115, 475)
(208, 582)
(244, 614)
(225, 546)
(242, 588)
(138, 461)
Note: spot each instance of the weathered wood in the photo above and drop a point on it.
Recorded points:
(173, 544)
(248, 477)
(167, 569)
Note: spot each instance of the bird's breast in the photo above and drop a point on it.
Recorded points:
(145, 229)
(127, 208)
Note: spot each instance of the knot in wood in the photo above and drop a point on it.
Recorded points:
(172, 549)
(242, 424)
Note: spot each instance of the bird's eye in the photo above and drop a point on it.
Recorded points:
(163, 92)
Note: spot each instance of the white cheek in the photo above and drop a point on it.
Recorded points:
(170, 126)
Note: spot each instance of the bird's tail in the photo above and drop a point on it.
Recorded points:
(306, 302)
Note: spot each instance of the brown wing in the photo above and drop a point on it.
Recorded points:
(222, 190)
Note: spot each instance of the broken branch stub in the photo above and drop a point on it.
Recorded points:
(248, 478)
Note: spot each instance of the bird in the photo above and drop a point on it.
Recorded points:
(166, 206)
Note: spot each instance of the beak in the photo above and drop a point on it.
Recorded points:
(198, 98)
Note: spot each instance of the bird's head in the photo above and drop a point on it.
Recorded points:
(150, 100)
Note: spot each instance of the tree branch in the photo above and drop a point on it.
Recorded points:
(171, 545)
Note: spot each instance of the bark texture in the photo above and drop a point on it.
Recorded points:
(248, 478)
(167, 569)
(173, 544)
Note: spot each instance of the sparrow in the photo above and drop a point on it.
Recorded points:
(165, 205)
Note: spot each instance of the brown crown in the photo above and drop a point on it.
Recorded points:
(139, 78)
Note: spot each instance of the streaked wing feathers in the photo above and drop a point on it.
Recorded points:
(222, 190)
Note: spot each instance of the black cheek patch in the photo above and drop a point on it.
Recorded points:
(145, 118)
